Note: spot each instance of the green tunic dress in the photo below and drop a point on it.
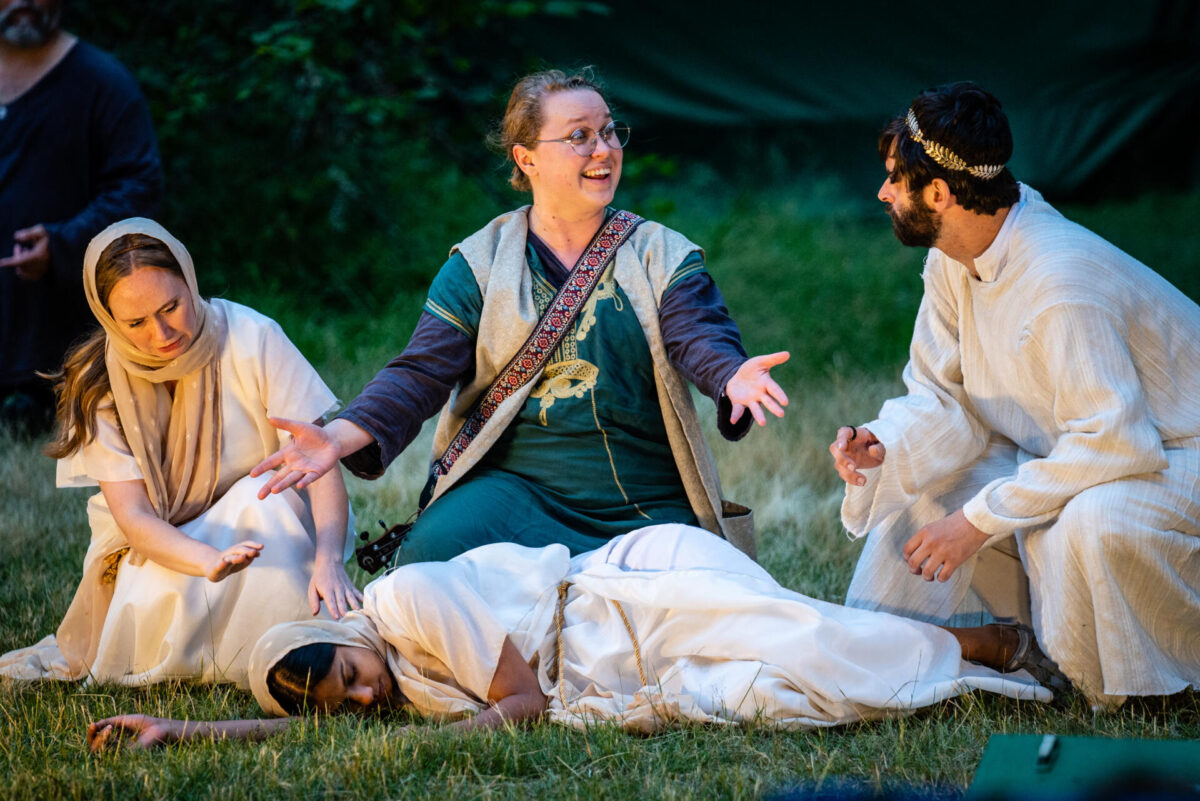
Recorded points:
(587, 458)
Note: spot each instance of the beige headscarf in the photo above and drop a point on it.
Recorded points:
(423, 680)
(177, 443)
(354, 629)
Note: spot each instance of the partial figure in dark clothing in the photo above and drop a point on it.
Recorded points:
(603, 439)
(77, 152)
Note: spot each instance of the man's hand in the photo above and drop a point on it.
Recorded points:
(753, 388)
(31, 253)
(855, 449)
(940, 548)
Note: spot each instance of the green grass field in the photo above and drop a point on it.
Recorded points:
(831, 287)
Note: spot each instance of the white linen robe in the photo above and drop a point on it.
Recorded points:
(720, 641)
(1056, 397)
(153, 624)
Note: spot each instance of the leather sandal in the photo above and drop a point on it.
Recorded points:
(1030, 657)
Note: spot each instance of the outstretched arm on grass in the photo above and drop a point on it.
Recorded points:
(146, 732)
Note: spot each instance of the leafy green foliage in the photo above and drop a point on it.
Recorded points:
(306, 143)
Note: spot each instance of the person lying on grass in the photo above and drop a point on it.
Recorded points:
(665, 624)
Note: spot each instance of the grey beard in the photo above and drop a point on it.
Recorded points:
(28, 32)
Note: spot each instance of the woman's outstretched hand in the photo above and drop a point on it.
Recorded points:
(753, 388)
(855, 449)
(232, 559)
(147, 732)
(311, 454)
(331, 585)
(143, 731)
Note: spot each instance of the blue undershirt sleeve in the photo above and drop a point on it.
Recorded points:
(408, 391)
(702, 340)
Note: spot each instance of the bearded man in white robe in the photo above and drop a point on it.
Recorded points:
(1045, 464)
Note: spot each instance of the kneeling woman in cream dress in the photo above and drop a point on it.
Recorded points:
(166, 407)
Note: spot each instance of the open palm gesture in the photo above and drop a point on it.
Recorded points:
(311, 454)
(753, 388)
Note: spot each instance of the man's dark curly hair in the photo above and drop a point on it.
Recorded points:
(968, 121)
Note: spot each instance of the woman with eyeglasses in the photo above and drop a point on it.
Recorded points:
(603, 437)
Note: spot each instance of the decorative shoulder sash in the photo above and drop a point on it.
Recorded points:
(547, 334)
(572, 296)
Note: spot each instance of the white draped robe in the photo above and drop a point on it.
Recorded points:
(1056, 398)
(719, 640)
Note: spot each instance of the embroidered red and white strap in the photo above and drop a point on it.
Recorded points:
(547, 334)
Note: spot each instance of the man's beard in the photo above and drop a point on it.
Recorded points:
(918, 227)
(33, 28)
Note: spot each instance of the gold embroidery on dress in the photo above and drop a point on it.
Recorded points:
(572, 379)
(611, 463)
(112, 564)
(565, 375)
(606, 289)
(568, 376)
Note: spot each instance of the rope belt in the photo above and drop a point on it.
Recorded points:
(559, 614)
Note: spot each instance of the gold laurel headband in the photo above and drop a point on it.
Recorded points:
(948, 158)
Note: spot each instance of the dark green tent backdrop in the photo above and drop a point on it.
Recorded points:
(1104, 96)
(313, 133)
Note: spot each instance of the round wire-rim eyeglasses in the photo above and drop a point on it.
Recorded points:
(583, 140)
